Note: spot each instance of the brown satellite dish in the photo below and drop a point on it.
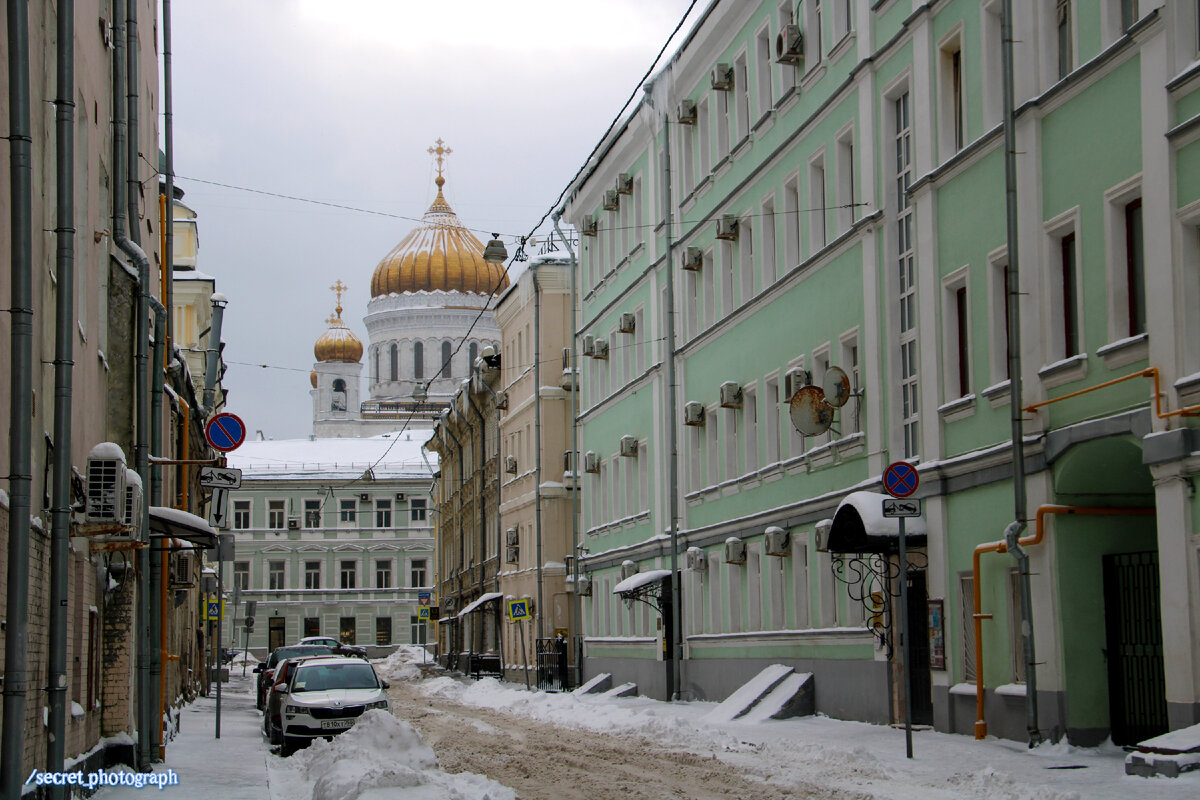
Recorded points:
(811, 414)
(837, 386)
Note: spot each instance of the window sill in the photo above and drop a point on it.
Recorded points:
(765, 122)
(812, 76)
(842, 46)
(851, 445)
(998, 393)
(787, 100)
(722, 167)
(958, 409)
(1188, 389)
(820, 456)
(1063, 372)
(1124, 352)
(741, 148)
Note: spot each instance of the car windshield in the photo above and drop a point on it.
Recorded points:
(323, 677)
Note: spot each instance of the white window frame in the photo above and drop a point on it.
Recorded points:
(847, 212)
(818, 213)
(951, 378)
(768, 251)
(1117, 199)
(952, 100)
(1054, 340)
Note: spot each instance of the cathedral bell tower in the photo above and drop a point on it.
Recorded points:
(336, 375)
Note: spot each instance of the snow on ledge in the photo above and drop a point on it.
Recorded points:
(637, 581)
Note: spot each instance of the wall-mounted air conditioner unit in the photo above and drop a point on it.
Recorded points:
(795, 380)
(591, 461)
(727, 227)
(510, 465)
(789, 45)
(628, 569)
(132, 513)
(365, 497)
(624, 183)
(777, 542)
(695, 559)
(511, 537)
(105, 484)
(628, 323)
(693, 414)
(821, 535)
(722, 77)
(501, 400)
(401, 496)
(735, 551)
(584, 586)
(629, 446)
(693, 258)
(601, 349)
(731, 395)
(293, 523)
(687, 112)
(589, 345)
(589, 226)
(612, 201)
(512, 554)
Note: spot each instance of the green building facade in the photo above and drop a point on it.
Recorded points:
(787, 200)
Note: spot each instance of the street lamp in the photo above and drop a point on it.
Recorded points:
(495, 252)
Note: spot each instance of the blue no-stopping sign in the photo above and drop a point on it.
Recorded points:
(225, 432)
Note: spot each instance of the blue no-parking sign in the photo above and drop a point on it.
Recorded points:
(225, 432)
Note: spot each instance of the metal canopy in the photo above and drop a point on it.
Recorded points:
(182, 525)
(477, 602)
(860, 527)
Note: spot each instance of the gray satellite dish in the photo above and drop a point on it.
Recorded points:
(810, 414)
(837, 386)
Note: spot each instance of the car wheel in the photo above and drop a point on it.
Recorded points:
(289, 745)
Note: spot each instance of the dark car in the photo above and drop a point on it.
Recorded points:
(341, 648)
(266, 669)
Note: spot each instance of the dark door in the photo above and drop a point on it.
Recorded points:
(1137, 697)
(918, 620)
(274, 633)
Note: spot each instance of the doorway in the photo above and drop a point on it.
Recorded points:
(921, 698)
(274, 633)
(1136, 687)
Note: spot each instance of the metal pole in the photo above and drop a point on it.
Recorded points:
(168, 256)
(537, 438)
(63, 370)
(220, 615)
(905, 651)
(671, 421)
(524, 655)
(1014, 377)
(20, 469)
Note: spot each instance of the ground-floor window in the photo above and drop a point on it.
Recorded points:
(312, 626)
(416, 630)
(346, 626)
(383, 630)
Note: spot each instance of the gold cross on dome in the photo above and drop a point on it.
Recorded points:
(338, 287)
(440, 151)
(334, 319)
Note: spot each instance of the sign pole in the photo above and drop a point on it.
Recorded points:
(524, 655)
(906, 652)
(220, 613)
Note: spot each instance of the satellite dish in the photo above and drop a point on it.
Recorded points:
(836, 384)
(810, 414)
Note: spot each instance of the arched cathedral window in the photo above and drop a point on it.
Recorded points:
(394, 362)
(446, 371)
(472, 354)
(338, 403)
(418, 361)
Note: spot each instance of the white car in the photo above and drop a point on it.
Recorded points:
(327, 696)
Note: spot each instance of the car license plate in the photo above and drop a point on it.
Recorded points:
(336, 724)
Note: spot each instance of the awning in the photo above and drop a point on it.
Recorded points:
(182, 525)
(860, 527)
(640, 579)
(478, 601)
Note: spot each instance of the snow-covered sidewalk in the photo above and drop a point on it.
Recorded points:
(230, 768)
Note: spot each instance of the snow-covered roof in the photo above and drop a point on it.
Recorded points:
(478, 601)
(640, 579)
(860, 527)
(389, 455)
(182, 525)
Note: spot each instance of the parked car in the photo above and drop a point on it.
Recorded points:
(273, 707)
(266, 669)
(325, 696)
(338, 646)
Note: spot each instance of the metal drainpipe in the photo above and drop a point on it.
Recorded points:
(576, 544)
(60, 525)
(537, 446)
(142, 381)
(157, 557)
(168, 256)
(20, 467)
(213, 354)
(1013, 532)
(672, 441)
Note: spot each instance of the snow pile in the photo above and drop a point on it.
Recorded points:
(384, 757)
(244, 657)
(402, 664)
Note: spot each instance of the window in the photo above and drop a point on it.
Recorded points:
(767, 254)
(956, 335)
(746, 251)
(446, 370)
(349, 574)
(1135, 267)
(337, 401)
(762, 63)
(713, 454)
(1066, 56)
(241, 515)
(312, 513)
(312, 626)
(472, 354)
(787, 72)
(418, 361)
(394, 362)
(723, 119)
(1016, 644)
(771, 406)
(417, 508)
(346, 630)
(741, 86)
(383, 513)
(906, 277)
(1069, 296)
(707, 271)
(960, 340)
(383, 573)
(843, 18)
(728, 266)
(966, 604)
(991, 71)
(952, 132)
(312, 574)
(850, 418)
(847, 212)
(416, 572)
(998, 265)
(816, 189)
(687, 157)
(703, 139)
(383, 630)
(276, 518)
(347, 511)
(416, 630)
(750, 427)
(813, 47)
(276, 571)
(791, 223)
(1129, 13)
(241, 575)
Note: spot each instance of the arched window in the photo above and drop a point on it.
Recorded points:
(338, 403)
(472, 354)
(446, 371)
(418, 361)
(375, 367)
(394, 362)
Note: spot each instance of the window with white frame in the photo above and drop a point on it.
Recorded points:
(746, 254)
(624, 224)
(691, 303)
(276, 575)
(767, 255)
(732, 444)
(820, 368)
(383, 513)
(347, 511)
(687, 159)
(814, 48)
(952, 126)
(276, 514)
(349, 574)
(991, 37)
(796, 442)
(704, 138)
(241, 515)
(762, 63)
(695, 464)
(788, 74)
(708, 275)
(1064, 37)
(241, 575)
(998, 301)
(1126, 261)
(791, 223)
(773, 416)
(906, 286)
(956, 335)
(638, 229)
(643, 477)
(713, 450)
(750, 427)
(723, 120)
(639, 341)
(843, 18)
(312, 574)
(418, 572)
(816, 200)
(851, 412)
(847, 210)
(741, 88)
(383, 573)
(312, 513)
(729, 265)
(1065, 340)
(417, 508)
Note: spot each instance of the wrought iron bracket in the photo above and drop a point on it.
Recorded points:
(873, 580)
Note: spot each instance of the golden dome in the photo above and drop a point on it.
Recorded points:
(339, 342)
(441, 254)
(312, 378)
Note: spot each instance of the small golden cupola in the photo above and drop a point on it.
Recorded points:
(439, 255)
(339, 343)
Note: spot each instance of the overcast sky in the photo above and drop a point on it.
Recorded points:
(339, 102)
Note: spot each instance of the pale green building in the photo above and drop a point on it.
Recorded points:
(809, 185)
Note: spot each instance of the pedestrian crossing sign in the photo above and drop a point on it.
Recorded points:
(215, 609)
(423, 612)
(518, 610)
